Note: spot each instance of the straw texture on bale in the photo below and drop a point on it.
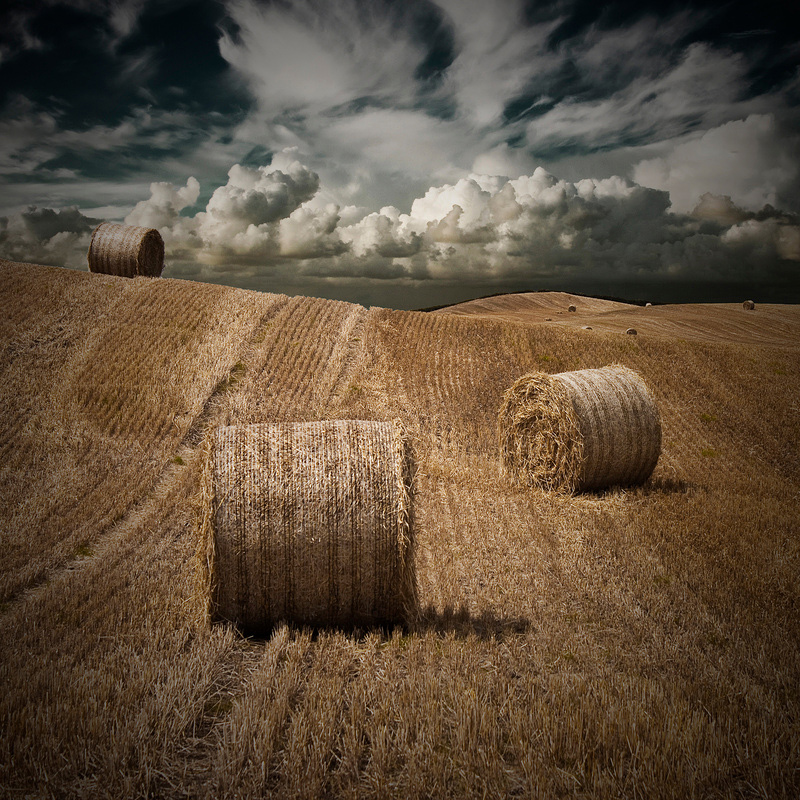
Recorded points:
(578, 431)
(748, 305)
(126, 250)
(309, 523)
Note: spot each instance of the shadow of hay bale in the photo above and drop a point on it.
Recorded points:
(459, 621)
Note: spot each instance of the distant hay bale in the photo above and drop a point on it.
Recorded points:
(309, 523)
(631, 331)
(648, 305)
(126, 250)
(572, 308)
(582, 430)
(748, 305)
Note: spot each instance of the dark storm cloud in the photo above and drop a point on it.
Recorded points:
(93, 90)
(93, 61)
(46, 236)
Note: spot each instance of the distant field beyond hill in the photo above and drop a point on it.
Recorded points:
(769, 324)
(635, 642)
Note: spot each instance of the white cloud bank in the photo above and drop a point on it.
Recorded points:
(272, 222)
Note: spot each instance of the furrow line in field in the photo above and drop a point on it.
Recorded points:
(455, 363)
(13, 425)
(451, 352)
(257, 395)
(284, 381)
(344, 358)
(9, 442)
(435, 557)
(282, 363)
(327, 336)
(297, 375)
(232, 384)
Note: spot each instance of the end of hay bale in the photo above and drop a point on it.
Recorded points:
(581, 430)
(587, 327)
(648, 305)
(126, 251)
(309, 523)
(539, 433)
(631, 332)
(748, 305)
(572, 308)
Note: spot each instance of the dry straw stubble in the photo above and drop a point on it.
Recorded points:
(581, 430)
(309, 523)
(126, 250)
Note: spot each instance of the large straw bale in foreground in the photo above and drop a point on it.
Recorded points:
(126, 250)
(309, 523)
(580, 430)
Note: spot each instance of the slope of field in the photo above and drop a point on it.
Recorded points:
(639, 642)
(774, 325)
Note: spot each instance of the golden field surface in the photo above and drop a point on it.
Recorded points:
(638, 642)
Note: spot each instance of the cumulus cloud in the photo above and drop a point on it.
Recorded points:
(257, 214)
(482, 229)
(379, 235)
(719, 208)
(47, 236)
(311, 233)
(754, 161)
(241, 218)
(162, 208)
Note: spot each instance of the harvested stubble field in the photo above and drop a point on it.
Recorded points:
(641, 642)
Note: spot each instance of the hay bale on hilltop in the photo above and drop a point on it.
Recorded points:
(309, 523)
(581, 430)
(748, 305)
(126, 250)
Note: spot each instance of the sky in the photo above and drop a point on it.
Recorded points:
(410, 153)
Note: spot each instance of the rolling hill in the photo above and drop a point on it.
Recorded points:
(634, 642)
(774, 324)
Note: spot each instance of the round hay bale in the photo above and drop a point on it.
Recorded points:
(648, 305)
(572, 308)
(631, 331)
(126, 250)
(309, 523)
(582, 430)
(748, 305)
